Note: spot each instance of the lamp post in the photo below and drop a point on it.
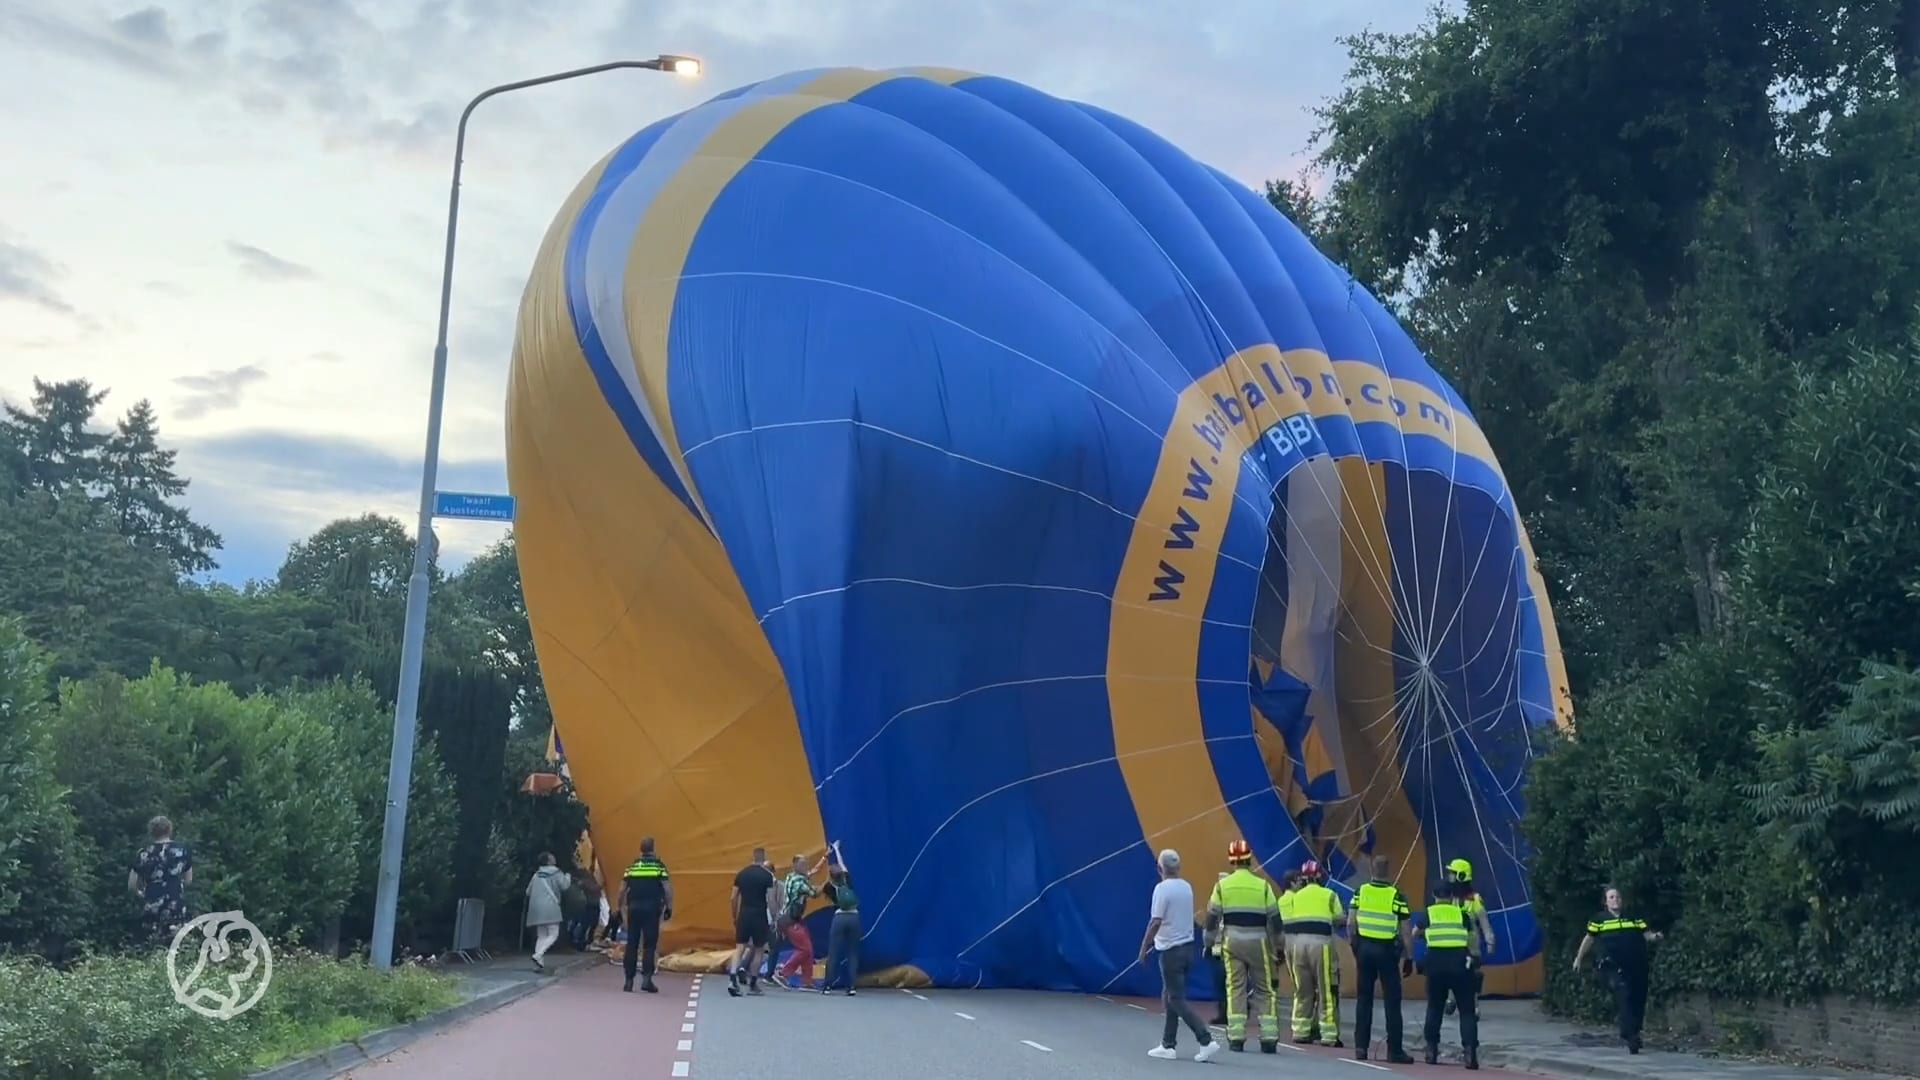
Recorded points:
(407, 702)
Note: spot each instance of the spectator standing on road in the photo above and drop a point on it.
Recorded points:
(646, 898)
(795, 890)
(586, 912)
(160, 874)
(546, 904)
(843, 937)
(1170, 933)
(1623, 939)
(753, 906)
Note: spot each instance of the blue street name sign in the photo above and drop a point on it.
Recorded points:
(460, 504)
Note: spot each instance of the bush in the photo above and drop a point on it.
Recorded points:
(258, 791)
(1747, 790)
(41, 857)
(115, 1017)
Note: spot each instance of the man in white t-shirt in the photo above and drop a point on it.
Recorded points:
(1170, 932)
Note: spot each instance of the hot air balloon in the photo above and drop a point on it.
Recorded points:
(916, 460)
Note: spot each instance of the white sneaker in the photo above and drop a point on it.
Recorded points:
(1164, 1053)
(1208, 1052)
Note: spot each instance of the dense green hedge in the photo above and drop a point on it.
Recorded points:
(114, 1018)
(1758, 793)
(280, 795)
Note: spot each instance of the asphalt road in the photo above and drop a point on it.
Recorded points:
(693, 1029)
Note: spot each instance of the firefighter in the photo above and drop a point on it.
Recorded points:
(1217, 963)
(1377, 926)
(1310, 921)
(1246, 912)
(1453, 952)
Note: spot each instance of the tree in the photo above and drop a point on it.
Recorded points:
(55, 436)
(96, 602)
(488, 596)
(41, 856)
(139, 483)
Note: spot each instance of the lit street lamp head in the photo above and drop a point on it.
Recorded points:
(678, 65)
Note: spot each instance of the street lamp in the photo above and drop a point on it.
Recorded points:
(406, 704)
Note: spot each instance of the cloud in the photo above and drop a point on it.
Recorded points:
(263, 490)
(302, 464)
(27, 275)
(267, 266)
(215, 390)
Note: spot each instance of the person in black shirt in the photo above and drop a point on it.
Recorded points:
(752, 922)
(646, 895)
(1622, 939)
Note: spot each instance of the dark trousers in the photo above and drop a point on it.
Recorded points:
(1378, 960)
(1175, 964)
(1630, 1000)
(843, 946)
(643, 940)
(580, 928)
(1448, 977)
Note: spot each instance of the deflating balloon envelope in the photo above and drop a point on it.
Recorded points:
(917, 460)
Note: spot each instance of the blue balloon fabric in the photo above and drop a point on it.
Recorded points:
(1085, 507)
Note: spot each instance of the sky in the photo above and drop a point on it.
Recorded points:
(236, 210)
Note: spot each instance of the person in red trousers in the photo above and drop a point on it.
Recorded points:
(796, 889)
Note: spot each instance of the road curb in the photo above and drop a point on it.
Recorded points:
(374, 1045)
(1558, 1064)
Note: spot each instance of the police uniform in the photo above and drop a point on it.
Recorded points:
(1309, 922)
(1622, 941)
(1449, 969)
(1245, 904)
(646, 882)
(1378, 909)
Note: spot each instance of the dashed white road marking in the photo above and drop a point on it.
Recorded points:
(903, 990)
(1037, 1046)
(963, 1016)
(1131, 1005)
(922, 997)
(1367, 1064)
(689, 1015)
(682, 1068)
(686, 1029)
(685, 1045)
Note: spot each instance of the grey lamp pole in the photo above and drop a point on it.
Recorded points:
(407, 702)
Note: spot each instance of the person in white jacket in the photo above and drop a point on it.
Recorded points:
(545, 911)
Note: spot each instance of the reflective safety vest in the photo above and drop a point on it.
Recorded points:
(1446, 926)
(1246, 899)
(1378, 909)
(646, 868)
(1286, 909)
(1315, 907)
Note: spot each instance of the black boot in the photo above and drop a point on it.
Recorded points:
(627, 987)
(1236, 1045)
(1399, 1057)
(646, 984)
(1360, 1054)
(1433, 1054)
(1473, 1057)
(1269, 1046)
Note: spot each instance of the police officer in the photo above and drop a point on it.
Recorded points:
(1310, 920)
(1453, 952)
(646, 893)
(1247, 913)
(1377, 927)
(1623, 939)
